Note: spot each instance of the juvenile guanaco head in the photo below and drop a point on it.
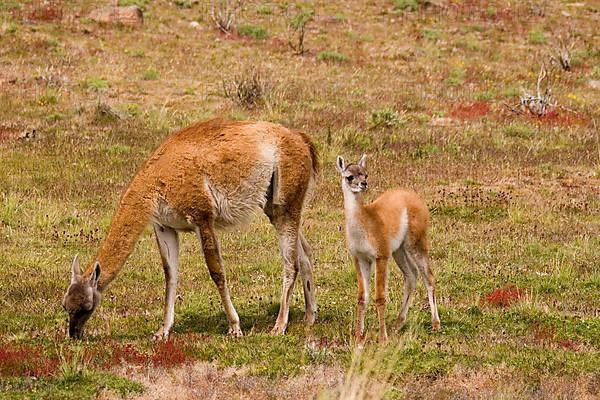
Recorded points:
(354, 176)
(81, 298)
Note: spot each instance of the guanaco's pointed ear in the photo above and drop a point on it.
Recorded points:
(75, 269)
(363, 161)
(95, 275)
(341, 165)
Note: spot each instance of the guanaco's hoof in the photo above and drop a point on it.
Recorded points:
(235, 332)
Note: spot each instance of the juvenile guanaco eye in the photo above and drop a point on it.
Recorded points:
(366, 176)
(350, 178)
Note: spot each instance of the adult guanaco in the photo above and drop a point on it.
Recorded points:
(209, 175)
(392, 226)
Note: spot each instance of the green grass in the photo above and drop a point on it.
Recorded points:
(332, 56)
(513, 202)
(257, 32)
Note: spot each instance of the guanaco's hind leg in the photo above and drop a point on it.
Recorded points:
(305, 258)
(168, 245)
(381, 295)
(420, 259)
(212, 255)
(288, 234)
(410, 282)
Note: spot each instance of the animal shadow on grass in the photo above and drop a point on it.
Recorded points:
(257, 320)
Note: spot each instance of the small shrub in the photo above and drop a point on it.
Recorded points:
(223, 13)
(257, 32)
(410, 5)
(48, 97)
(96, 84)
(150, 74)
(536, 37)
(296, 28)
(332, 56)
(142, 4)
(248, 89)
(132, 109)
(455, 78)
(519, 130)
(385, 118)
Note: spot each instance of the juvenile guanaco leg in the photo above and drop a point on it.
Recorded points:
(392, 226)
(209, 175)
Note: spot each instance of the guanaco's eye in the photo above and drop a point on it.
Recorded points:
(349, 178)
(366, 176)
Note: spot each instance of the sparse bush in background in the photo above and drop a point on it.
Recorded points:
(296, 26)
(537, 37)
(223, 14)
(384, 118)
(96, 84)
(332, 56)
(560, 53)
(410, 5)
(257, 32)
(248, 89)
(519, 130)
(538, 104)
(150, 74)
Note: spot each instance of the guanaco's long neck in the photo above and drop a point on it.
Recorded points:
(353, 203)
(129, 221)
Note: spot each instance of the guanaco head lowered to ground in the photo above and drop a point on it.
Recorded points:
(206, 176)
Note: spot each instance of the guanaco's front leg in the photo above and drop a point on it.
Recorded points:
(363, 276)
(212, 255)
(381, 296)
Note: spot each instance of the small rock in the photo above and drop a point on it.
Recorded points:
(127, 15)
(594, 84)
(442, 121)
(565, 14)
(194, 24)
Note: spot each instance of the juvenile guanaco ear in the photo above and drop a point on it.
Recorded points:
(95, 275)
(341, 165)
(75, 269)
(363, 161)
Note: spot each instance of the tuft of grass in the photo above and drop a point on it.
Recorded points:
(456, 77)
(96, 84)
(385, 118)
(48, 97)
(536, 37)
(332, 56)
(519, 130)
(150, 74)
(257, 32)
(410, 5)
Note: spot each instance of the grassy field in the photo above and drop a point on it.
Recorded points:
(430, 90)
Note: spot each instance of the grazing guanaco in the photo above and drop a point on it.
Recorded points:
(209, 175)
(394, 225)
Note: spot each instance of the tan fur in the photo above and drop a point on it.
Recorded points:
(215, 174)
(125, 15)
(393, 226)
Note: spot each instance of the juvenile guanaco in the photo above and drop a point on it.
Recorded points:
(394, 225)
(209, 175)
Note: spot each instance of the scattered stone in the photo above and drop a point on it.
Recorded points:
(128, 15)
(594, 84)
(442, 121)
(194, 24)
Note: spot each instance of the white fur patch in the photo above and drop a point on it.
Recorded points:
(397, 240)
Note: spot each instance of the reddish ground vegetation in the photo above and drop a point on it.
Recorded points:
(168, 354)
(504, 297)
(163, 354)
(467, 111)
(560, 118)
(40, 11)
(25, 361)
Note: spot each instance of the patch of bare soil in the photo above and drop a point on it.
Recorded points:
(206, 381)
